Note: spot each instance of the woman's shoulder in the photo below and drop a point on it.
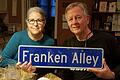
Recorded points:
(19, 34)
(48, 39)
(23, 32)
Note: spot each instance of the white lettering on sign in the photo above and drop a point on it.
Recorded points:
(82, 58)
(25, 55)
(36, 58)
(78, 58)
(50, 58)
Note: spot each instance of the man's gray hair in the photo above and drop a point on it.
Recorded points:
(82, 5)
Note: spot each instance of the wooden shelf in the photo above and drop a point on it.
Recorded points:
(97, 12)
(3, 12)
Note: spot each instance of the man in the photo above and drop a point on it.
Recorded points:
(78, 21)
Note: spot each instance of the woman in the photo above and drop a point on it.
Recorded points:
(33, 35)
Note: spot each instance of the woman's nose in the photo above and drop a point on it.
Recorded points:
(35, 23)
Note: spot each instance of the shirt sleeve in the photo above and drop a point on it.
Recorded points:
(115, 48)
(10, 51)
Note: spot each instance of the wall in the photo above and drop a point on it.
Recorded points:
(14, 14)
(3, 10)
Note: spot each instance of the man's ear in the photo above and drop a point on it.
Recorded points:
(88, 19)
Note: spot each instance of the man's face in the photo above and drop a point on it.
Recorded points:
(77, 21)
(35, 23)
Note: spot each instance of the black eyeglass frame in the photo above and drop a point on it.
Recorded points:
(38, 21)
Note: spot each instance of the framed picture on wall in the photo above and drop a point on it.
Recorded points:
(14, 7)
(14, 11)
(3, 5)
(103, 6)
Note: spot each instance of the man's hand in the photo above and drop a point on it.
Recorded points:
(27, 67)
(104, 73)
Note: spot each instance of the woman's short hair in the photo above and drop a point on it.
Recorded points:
(36, 9)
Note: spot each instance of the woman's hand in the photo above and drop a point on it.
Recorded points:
(27, 67)
(104, 73)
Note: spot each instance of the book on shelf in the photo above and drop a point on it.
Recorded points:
(107, 26)
(116, 22)
(112, 7)
(103, 6)
(96, 7)
(96, 24)
(118, 6)
(108, 23)
(117, 33)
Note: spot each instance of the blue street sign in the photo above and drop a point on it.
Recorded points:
(61, 57)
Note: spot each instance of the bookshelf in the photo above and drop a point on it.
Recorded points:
(106, 16)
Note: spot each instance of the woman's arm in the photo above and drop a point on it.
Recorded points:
(9, 54)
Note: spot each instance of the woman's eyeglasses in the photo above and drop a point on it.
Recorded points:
(38, 21)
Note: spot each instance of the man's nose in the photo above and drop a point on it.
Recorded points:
(75, 20)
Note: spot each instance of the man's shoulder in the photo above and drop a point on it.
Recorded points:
(103, 34)
(70, 40)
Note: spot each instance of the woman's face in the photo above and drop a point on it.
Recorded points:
(35, 23)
